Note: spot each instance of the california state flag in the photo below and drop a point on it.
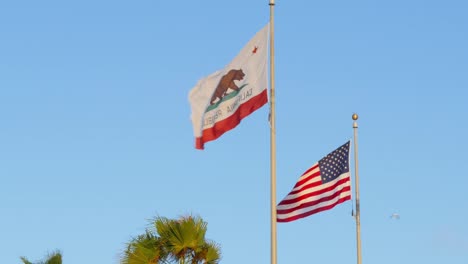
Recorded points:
(220, 101)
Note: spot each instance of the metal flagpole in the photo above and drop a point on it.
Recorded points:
(272, 137)
(356, 183)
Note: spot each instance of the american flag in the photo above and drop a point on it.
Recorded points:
(326, 184)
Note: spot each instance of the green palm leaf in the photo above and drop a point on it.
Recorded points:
(145, 249)
(173, 241)
(51, 258)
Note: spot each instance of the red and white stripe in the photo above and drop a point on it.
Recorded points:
(221, 127)
(310, 196)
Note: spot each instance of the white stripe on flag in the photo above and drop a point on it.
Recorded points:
(315, 197)
(308, 209)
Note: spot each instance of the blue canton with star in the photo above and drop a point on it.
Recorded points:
(335, 163)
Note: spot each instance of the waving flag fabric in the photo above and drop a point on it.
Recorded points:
(323, 186)
(220, 101)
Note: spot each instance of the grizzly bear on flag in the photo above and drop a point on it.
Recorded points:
(226, 82)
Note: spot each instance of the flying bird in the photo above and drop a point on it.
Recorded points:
(395, 216)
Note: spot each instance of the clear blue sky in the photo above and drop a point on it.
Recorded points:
(96, 138)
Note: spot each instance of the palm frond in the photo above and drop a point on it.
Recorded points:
(213, 253)
(179, 240)
(25, 260)
(145, 249)
(54, 258)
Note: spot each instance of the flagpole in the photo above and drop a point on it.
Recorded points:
(356, 173)
(272, 136)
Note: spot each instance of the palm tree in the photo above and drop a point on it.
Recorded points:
(185, 240)
(173, 241)
(210, 254)
(145, 249)
(52, 258)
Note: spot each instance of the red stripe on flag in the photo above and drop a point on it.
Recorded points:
(233, 120)
(317, 173)
(311, 168)
(313, 203)
(320, 209)
(316, 193)
(310, 185)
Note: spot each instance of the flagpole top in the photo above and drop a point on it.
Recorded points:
(355, 117)
(272, 2)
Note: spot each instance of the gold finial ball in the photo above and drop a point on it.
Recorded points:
(355, 116)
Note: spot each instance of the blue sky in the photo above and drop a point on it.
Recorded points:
(96, 139)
